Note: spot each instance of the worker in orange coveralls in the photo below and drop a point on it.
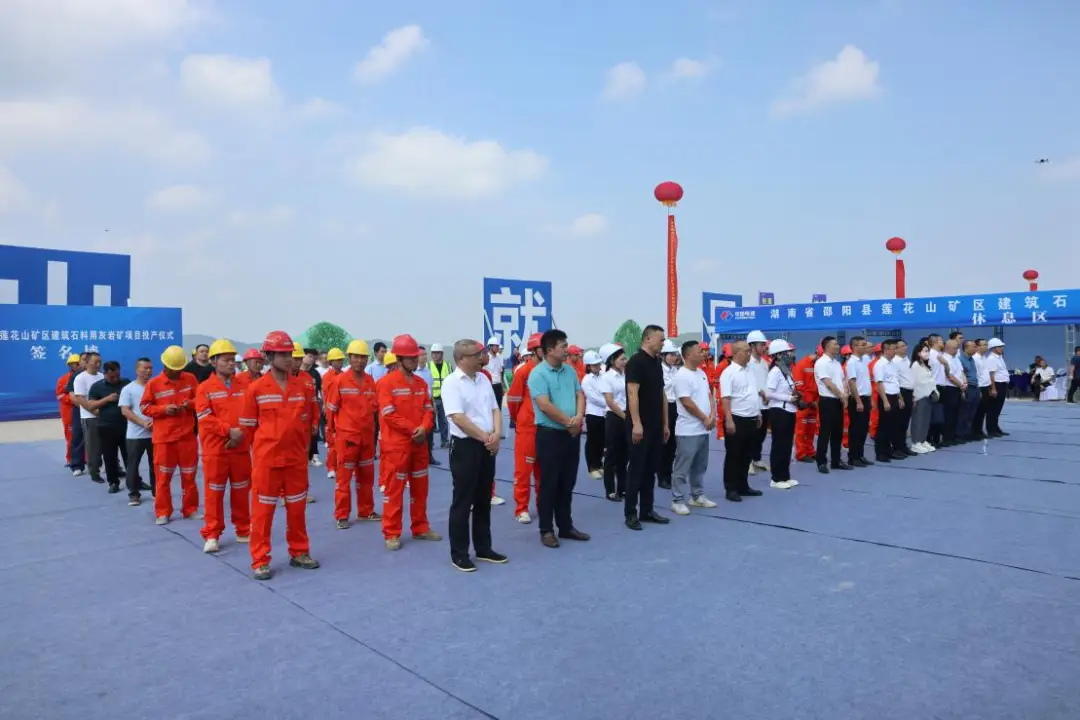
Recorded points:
(806, 419)
(226, 454)
(845, 358)
(574, 358)
(351, 409)
(254, 361)
(521, 409)
(67, 407)
(305, 377)
(336, 360)
(874, 396)
(722, 364)
(169, 400)
(405, 418)
(279, 416)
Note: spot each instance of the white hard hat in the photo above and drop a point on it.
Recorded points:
(494, 340)
(592, 358)
(436, 347)
(756, 336)
(669, 347)
(607, 350)
(778, 346)
(995, 343)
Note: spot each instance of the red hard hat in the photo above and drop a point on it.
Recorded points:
(533, 342)
(846, 350)
(405, 346)
(277, 341)
(726, 349)
(252, 354)
(877, 348)
(704, 346)
(820, 350)
(575, 350)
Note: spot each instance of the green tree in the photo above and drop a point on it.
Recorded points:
(629, 336)
(325, 335)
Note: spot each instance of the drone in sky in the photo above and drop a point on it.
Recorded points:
(1042, 161)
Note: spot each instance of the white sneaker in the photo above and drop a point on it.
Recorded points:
(597, 475)
(918, 449)
(211, 546)
(316, 461)
(927, 447)
(77, 473)
(702, 502)
(162, 520)
(331, 475)
(753, 470)
(523, 518)
(793, 483)
(496, 501)
(761, 465)
(680, 508)
(782, 485)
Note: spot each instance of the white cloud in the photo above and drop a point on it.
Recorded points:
(625, 81)
(849, 76)
(1067, 170)
(685, 68)
(318, 108)
(178, 198)
(74, 125)
(13, 196)
(384, 59)
(276, 216)
(589, 225)
(229, 81)
(427, 162)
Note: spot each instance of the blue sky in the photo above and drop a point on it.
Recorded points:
(260, 180)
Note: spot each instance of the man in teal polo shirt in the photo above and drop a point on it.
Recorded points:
(560, 410)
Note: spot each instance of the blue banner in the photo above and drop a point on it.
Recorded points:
(712, 306)
(1045, 307)
(766, 298)
(515, 309)
(818, 298)
(36, 340)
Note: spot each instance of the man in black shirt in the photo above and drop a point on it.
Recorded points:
(104, 399)
(308, 365)
(648, 426)
(201, 368)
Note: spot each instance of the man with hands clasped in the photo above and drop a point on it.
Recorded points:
(696, 410)
(742, 419)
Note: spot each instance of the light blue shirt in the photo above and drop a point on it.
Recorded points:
(561, 387)
(376, 370)
(131, 397)
(425, 373)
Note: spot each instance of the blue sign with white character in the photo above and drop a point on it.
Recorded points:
(515, 309)
(712, 305)
(1044, 307)
(36, 340)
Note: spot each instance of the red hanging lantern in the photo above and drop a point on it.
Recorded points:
(897, 245)
(669, 194)
(1032, 276)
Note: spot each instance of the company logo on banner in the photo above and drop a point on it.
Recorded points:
(515, 309)
(766, 298)
(817, 298)
(36, 340)
(1059, 307)
(716, 310)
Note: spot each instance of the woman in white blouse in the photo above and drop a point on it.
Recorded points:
(595, 410)
(616, 450)
(925, 395)
(781, 397)
(1042, 378)
(670, 362)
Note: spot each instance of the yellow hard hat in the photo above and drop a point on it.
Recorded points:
(174, 358)
(72, 359)
(222, 346)
(357, 347)
(389, 358)
(334, 354)
(297, 350)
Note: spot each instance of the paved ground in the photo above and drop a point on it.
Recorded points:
(941, 587)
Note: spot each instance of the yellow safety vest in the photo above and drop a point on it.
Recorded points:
(437, 376)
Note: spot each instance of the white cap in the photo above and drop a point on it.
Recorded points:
(756, 336)
(778, 346)
(995, 343)
(607, 350)
(436, 347)
(669, 347)
(494, 340)
(592, 358)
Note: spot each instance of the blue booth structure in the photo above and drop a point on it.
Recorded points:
(1044, 322)
(61, 309)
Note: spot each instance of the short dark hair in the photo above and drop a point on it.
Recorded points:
(550, 339)
(311, 351)
(979, 340)
(889, 343)
(200, 346)
(826, 340)
(110, 366)
(84, 354)
(955, 334)
(421, 348)
(145, 360)
(379, 346)
(688, 346)
(92, 353)
(649, 330)
(855, 338)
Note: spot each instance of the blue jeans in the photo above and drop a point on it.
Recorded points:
(440, 418)
(969, 404)
(78, 442)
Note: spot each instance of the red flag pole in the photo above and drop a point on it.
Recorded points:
(901, 279)
(672, 278)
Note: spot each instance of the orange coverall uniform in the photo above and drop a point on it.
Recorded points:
(174, 440)
(351, 410)
(714, 381)
(522, 413)
(332, 376)
(404, 405)
(66, 408)
(806, 421)
(873, 398)
(279, 422)
(218, 407)
(579, 368)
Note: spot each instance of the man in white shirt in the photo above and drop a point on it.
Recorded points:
(87, 417)
(742, 420)
(829, 376)
(890, 404)
(760, 370)
(907, 394)
(982, 368)
(859, 389)
(999, 386)
(696, 416)
(139, 435)
(475, 424)
(950, 392)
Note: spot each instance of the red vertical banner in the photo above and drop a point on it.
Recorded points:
(901, 280)
(672, 277)
(1033, 287)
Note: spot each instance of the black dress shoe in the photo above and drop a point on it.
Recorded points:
(860, 462)
(823, 469)
(841, 466)
(868, 462)
(751, 492)
(899, 456)
(732, 496)
(433, 462)
(883, 458)
(655, 518)
(664, 483)
(632, 522)
(574, 534)
(908, 452)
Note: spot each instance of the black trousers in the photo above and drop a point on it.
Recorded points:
(596, 433)
(558, 454)
(759, 438)
(78, 442)
(136, 448)
(738, 451)
(1074, 385)
(113, 445)
(473, 470)
(903, 420)
(667, 462)
(783, 438)
(615, 454)
(950, 403)
(498, 388)
(886, 428)
(830, 439)
(858, 428)
(994, 407)
(978, 425)
(642, 467)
